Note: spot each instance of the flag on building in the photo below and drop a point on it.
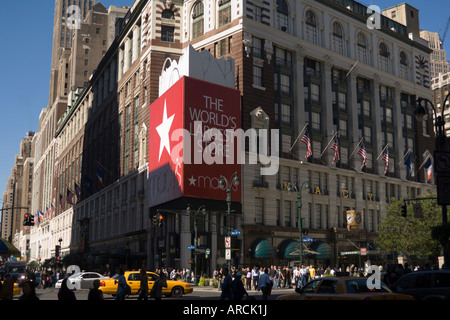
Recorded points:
(408, 163)
(362, 152)
(78, 191)
(69, 196)
(62, 201)
(386, 159)
(40, 216)
(335, 148)
(100, 176)
(306, 139)
(52, 211)
(429, 167)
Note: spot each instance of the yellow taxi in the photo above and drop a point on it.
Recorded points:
(174, 288)
(345, 288)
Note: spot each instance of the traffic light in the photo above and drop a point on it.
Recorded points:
(155, 220)
(28, 220)
(160, 220)
(404, 210)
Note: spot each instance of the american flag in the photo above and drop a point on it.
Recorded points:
(362, 152)
(386, 159)
(62, 201)
(307, 140)
(70, 196)
(335, 148)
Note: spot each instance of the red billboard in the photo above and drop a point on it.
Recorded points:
(189, 141)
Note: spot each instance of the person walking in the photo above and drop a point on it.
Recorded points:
(95, 294)
(158, 285)
(226, 286)
(28, 291)
(7, 289)
(143, 288)
(65, 294)
(265, 284)
(237, 287)
(255, 277)
(121, 286)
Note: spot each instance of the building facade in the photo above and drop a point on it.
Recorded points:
(312, 65)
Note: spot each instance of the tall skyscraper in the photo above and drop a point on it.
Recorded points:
(69, 15)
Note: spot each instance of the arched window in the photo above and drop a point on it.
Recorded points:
(197, 20)
(282, 16)
(403, 65)
(383, 57)
(361, 48)
(337, 38)
(311, 27)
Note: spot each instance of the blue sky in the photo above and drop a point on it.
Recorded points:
(27, 28)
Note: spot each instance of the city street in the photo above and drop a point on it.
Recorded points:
(200, 293)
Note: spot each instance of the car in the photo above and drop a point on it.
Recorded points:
(174, 288)
(425, 285)
(81, 280)
(343, 288)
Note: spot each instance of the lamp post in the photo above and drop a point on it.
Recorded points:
(299, 215)
(441, 140)
(225, 184)
(203, 211)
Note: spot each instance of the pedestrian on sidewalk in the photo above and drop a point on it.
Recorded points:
(226, 286)
(29, 291)
(95, 294)
(143, 288)
(157, 287)
(237, 287)
(265, 284)
(65, 294)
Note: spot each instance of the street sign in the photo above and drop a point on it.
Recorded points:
(191, 247)
(227, 242)
(363, 251)
(442, 160)
(443, 190)
(308, 239)
(228, 254)
(236, 233)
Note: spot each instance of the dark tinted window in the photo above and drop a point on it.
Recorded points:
(405, 283)
(442, 280)
(421, 280)
(327, 286)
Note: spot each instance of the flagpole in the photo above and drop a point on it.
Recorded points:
(306, 124)
(354, 150)
(426, 159)
(407, 153)
(378, 158)
(326, 148)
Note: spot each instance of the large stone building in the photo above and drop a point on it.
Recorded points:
(314, 62)
(17, 196)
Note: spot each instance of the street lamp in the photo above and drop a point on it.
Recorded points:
(201, 209)
(441, 140)
(299, 214)
(225, 184)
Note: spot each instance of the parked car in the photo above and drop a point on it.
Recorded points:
(174, 288)
(343, 288)
(82, 280)
(425, 285)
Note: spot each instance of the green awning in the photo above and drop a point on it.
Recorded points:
(262, 248)
(287, 247)
(323, 250)
(7, 249)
